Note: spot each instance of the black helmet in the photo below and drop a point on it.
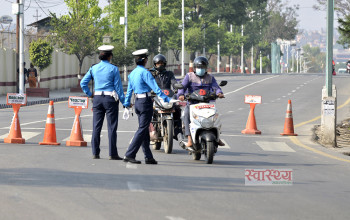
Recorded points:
(200, 63)
(156, 59)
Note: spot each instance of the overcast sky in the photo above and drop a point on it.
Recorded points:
(308, 17)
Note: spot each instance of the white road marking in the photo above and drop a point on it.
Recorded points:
(289, 94)
(253, 136)
(227, 93)
(131, 166)
(240, 109)
(87, 137)
(298, 88)
(25, 135)
(226, 145)
(284, 96)
(135, 187)
(274, 146)
(174, 218)
(294, 90)
(66, 129)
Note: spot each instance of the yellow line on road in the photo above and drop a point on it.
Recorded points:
(296, 141)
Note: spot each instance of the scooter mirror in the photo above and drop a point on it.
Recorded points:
(223, 83)
(178, 86)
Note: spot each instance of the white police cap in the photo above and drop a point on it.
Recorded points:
(140, 52)
(105, 48)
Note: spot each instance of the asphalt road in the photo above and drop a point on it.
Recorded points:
(59, 182)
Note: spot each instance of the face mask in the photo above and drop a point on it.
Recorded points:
(200, 72)
(160, 68)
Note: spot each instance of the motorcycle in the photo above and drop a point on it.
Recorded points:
(163, 122)
(205, 124)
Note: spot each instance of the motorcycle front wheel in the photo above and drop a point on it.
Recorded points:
(210, 151)
(168, 137)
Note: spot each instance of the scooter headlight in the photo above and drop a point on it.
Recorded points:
(215, 117)
(207, 123)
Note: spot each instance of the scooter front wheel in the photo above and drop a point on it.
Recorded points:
(168, 137)
(210, 151)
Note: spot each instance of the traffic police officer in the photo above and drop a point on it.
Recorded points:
(108, 92)
(141, 82)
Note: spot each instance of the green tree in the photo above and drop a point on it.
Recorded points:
(80, 32)
(40, 54)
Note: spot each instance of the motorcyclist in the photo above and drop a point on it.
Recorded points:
(199, 79)
(165, 80)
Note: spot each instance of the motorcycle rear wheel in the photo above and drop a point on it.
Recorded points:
(168, 137)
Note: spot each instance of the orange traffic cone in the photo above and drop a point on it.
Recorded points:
(15, 135)
(50, 128)
(76, 136)
(288, 123)
(251, 123)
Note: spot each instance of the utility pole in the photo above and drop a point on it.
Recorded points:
(329, 92)
(183, 40)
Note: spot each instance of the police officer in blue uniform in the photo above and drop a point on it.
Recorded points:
(141, 82)
(108, 92)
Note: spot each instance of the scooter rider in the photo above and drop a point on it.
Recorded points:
(165, 80)
(199, 79)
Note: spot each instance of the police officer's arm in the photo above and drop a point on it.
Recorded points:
(118, 86)
(217, 88)
(128, 94)
(185, 83)
(84, 83)
(151, 82)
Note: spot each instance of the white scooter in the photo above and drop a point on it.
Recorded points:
(205, 124)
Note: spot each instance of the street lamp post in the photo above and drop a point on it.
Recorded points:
(160, 14)
(218, 62)
(242, 53)
(126, 35)
(183, 40)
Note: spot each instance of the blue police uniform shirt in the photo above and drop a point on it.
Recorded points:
(106, 78)
(142, 81)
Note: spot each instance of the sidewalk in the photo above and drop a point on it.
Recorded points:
(54, 95)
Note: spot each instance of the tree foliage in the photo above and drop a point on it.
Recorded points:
(79, 32)
(40, 53)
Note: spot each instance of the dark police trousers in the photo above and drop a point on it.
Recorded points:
(105, 105)
(144, 111)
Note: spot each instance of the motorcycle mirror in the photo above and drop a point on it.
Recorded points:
(223, 83)
(178, 86)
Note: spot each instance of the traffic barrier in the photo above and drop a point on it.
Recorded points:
(191, 67)
(50, 128)
(288, 123)
(76, 136)
(251, 127)
(15, 135)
